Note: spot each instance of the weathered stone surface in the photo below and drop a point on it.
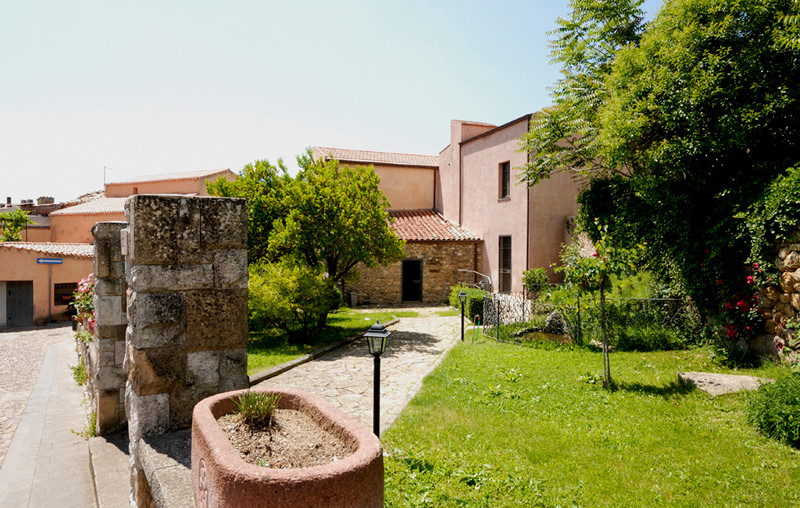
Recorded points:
(108, 230)
(790, 261)
(195, 257)
(119, 352)
(233, 370)
(108, 287)
(224, 223)
(108, 309)
(108, 410)
(152, 219)
(105, 345)
(203, 369)
(110, 378)
(787, 282)
(719, 384)
(189, 225)
(230, 269)
(216, 319)
(110, 331)
(181, 404)
(796, 301)
(155, 278)
(147, 415)
(156, 319)
(156, 369)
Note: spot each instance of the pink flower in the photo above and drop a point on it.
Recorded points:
(743, 305)
(730, 331)
(595, 255)
(755, 265)
(748, 328)
(749, 279)
(719, 281)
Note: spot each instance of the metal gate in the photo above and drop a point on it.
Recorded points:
(19, 303)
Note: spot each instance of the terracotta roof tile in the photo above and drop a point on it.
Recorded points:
(427, 225)
(94, 207)
(77, 250)
(369, 157)
(168, 177)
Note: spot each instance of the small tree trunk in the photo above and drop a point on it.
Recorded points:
(606, 362)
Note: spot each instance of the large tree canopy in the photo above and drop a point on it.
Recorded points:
(264, 187)
(695, 116)
(336, 218)
(702, 115)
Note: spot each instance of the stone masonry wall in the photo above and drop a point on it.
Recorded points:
(107, 379)
(782, 302)
(186, 270)
(440, 261)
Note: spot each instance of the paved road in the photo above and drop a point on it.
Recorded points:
(344, 376)
(21, 356)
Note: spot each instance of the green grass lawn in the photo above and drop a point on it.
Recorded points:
(269, 348)
(509, 425)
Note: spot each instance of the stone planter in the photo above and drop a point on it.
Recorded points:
(221, 478)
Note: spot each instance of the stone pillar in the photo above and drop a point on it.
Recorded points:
(108, 379)
(186, 269)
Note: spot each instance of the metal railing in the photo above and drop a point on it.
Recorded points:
(660, 322)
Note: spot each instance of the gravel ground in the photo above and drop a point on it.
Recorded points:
(21, 356)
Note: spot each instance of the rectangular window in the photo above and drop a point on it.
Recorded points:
(505, 264)
(505, 180)
(62, 293)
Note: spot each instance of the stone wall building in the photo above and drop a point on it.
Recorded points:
(435, 250)
(780, 303)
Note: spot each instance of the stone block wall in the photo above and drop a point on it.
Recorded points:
(106, 377)
(186, 275)
(781, 302)
(440, 264)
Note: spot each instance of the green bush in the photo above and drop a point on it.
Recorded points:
(775, 409)
(474, 304)
(535, 280)
(653, 337)
(256, 408)
(287, 297)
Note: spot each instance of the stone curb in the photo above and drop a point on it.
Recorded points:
(284, 367)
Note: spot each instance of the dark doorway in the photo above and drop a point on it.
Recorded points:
(412, 280)
(19, 304)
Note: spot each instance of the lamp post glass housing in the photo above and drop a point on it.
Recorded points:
(376, 342)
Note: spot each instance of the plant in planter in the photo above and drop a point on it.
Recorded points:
(266, 473)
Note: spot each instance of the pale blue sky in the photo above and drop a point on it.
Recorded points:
(161, 86)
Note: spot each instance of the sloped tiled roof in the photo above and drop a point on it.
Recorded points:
(94, 207)
(169, 177)
(427, 225)
(77, 250)
(369, 157)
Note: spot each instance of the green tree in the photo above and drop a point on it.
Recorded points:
(563, 137)
(264, 186)
(702, 114)
(12, 224)
(594, 274)
(337, 219)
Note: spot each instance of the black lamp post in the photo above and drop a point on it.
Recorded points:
(462, 297)
(376, 342)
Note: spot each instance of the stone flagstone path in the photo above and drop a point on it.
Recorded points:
(344, 376)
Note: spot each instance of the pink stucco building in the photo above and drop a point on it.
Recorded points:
(471, 189)
(30, 292)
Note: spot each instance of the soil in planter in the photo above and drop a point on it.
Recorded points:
(293, 440)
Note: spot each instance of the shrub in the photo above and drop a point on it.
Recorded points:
(288, 297)
(534, 281)
(775, 409)
(474, 304)
(256, 408)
